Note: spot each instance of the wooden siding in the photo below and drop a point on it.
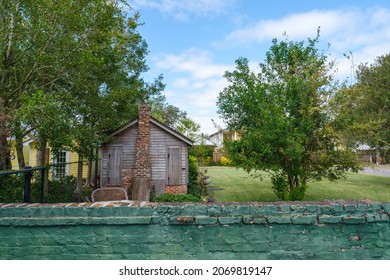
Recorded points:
(15, 162)
(160, 141)
(127, 140)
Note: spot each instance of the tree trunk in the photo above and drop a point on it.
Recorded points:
(43, 160)
(293, 181)
(96, 169)
(89, 174)
(5, 154)
(19, 150)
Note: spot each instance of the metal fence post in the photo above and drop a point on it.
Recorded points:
(27, 185)
(42, 184)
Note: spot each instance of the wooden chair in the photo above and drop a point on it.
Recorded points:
(109, 194)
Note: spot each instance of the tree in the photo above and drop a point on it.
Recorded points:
(70, 72)
(282, 115)
(67, 75)
(189, 128)
(168, 114)
(362, 109)
(175, 118)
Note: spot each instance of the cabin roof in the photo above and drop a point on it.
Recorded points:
(160, 125)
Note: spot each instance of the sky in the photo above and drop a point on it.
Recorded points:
(192, 43)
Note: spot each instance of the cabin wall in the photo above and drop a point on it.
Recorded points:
(160, 140)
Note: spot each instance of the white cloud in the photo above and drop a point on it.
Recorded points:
(183, 10)
(199, 84)
(366, 33)
(197, 63)
(352, 27)
(181, 83)
(296, 26)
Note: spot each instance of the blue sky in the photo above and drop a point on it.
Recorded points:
(193, 42)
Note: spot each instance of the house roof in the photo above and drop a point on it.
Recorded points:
(220, 131)
(160, 125)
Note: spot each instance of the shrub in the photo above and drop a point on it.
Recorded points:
(193, 170)
(225, 161)
(203, 153)
(169, 197)
(195, 190)
(11, 188)
(60, 190)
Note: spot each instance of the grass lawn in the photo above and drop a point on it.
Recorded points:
(233, 184)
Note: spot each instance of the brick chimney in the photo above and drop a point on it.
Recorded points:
(142, 158)
(142, 170)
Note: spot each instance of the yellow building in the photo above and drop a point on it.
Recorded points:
(61, 164)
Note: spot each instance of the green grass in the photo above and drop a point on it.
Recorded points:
(233, 184)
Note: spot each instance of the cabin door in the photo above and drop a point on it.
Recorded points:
(114, 166)
(173, 166)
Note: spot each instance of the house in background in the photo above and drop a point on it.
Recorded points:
(223, 134)
(368, 154)
(63, 163)
(149, 150)
(218, 138)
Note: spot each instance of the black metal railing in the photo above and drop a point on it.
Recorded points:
(28, 172)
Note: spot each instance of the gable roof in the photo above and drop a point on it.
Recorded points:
(160, 125)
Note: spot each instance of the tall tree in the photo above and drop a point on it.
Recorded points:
(69, 68)
(282, 115)
(363, 109)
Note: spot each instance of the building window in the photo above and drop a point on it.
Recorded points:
(60, 160)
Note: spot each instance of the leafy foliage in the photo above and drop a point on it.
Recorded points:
(225, 161)
(168, 197)
(61, 190)
(283, 116)
(193, 170)
(203, 153)
(65, 76)
(364, 108)
(175, 118)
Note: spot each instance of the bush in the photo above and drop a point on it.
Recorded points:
(60, 190)
(193, 170)
(195, 190)
(203, 154)
(226, 161)
(11, 188)
(169, 197)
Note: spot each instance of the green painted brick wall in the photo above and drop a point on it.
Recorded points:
(131, 230)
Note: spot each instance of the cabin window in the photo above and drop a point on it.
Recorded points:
(60, 164)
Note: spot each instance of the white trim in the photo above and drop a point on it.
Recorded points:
(67, 163)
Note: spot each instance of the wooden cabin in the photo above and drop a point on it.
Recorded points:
(146, 150)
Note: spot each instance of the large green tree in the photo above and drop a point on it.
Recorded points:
(364, 108)
(283, 116)
(69, 68)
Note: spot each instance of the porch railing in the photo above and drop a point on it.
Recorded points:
(28, 172)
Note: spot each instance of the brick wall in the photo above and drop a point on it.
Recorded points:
(130, 230)
(127, 180)
(176, 189)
